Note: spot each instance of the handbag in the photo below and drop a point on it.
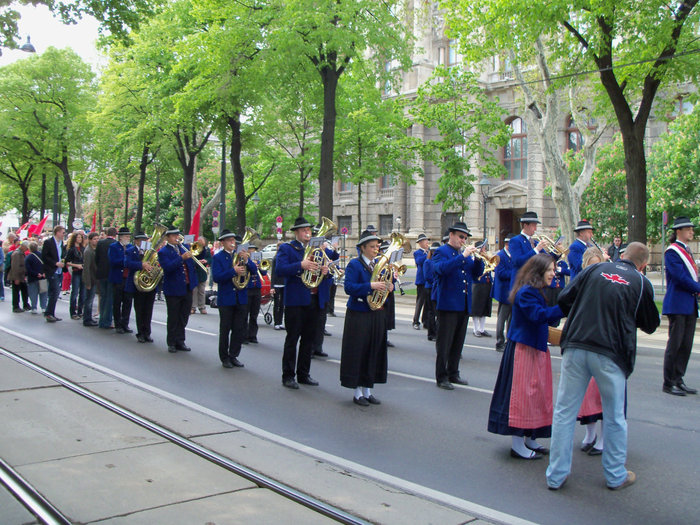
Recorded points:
(43, 285)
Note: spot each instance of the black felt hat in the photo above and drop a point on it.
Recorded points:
(459, 227)
(434, 246)
(371, 229)
(681, 222)
(226, 234)
(507, 239)
(172, 231)
(140, 235)
(446, 236)
(367, 236)
(422, 237)
(583, 225)
(530, 216)
(124, 231)
(300, 222)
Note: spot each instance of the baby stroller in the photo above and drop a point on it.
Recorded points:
(266, 299)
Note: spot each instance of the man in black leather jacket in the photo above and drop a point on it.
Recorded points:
(605, 305)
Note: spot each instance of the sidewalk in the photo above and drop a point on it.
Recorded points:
(94, 465)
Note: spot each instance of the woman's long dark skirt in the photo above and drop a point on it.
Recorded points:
(481, 300)
(363, 358)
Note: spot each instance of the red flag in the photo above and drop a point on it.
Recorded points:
(94, 221)
(36, 229)
(194, 229)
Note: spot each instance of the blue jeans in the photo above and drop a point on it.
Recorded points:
(2, 282)
(577, 367)
(55, 282)
(87, 303)
(33, 289)
(105, 303)
(77, 292)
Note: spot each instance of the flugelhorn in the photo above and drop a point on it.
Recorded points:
(553, 249)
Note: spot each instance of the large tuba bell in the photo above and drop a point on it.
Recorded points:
(241, 281)
(147, 281)
(312, 278)
(490, 261)
(383, 271)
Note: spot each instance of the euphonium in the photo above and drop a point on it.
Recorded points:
(383, 271)
(490, 261)
(241, 281)
(312, 278)
(147, 281)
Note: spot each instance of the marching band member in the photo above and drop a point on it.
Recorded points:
(325, 290)
(561, 270)
(143, 301)
(584, 234)
(302, 306)
(420, 254)
(179, 279)
(521, 405)
(500, 291)
(254, 300)
(277, 294)
(429, 275)
(363, 360)
(231, 302)
(523, 246)
(119, 274)
(454, 270)
(680, 305)
(481, 299)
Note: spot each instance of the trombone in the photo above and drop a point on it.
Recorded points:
(194, 252)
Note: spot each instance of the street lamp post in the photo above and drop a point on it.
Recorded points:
(484, 186)
(222, 200)
(398, 223)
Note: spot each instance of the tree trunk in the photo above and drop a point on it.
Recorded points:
(43, 195)
(157, 195)
(142, 183)
(301, 192)
(25, 202)
(70, 193)
(325, 175)
(636, 175)
(234, 123)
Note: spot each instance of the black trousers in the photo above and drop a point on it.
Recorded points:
(320, 328)
(431, 306)
(330, 305)
(17, 290)
(253, 309)
(143, 310)
(301, 323)
(681, 330)
(232, 325)
(452, 327)
(121, 306)
(178, 315)
(504, 312)
(420, 304)
(278, 305)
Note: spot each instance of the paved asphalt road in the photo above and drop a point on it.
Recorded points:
(420, 433)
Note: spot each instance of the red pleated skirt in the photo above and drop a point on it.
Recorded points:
(531, 403)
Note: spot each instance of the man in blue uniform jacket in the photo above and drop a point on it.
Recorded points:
(302, 306)
(680, 305)
(419, 256)
(584, 234)
(179, 279)
(454, 270)
(523, 246)
(254, 300)
(143, 301)
(500, 291)
(119, 275)
(232, 302)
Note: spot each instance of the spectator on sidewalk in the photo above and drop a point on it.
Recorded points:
(102, 275)
(90, 281)
(18, 278)
(74, 260)
(52, 253)
(35, 272)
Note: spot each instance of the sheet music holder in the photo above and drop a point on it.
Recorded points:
(256, 257)
(189, 239)
(316, 242)
(242, 248)
(396, 256)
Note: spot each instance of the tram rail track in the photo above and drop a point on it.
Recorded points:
(50, 515)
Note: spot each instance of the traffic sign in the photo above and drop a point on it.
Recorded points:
(215, 230)
(344, 230)
(215, 213)
(215, 223)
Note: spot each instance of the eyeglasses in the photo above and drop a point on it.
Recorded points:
(463, 237)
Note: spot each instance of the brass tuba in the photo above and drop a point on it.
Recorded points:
(241, 281)
(312, 278)
(147, 281)
(383, 271)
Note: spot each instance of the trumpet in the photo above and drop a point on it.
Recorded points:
(554, 249)
(194, 251)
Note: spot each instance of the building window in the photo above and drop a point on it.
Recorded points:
(515, 152)
(574, 139)
(345, 221)
(384, 182)
(386, 224)
(682, 106)
(452, 53)
(387, 84)
(344, 186)
(441, 56)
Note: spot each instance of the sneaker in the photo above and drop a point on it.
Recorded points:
(416, 326)
(631, 478)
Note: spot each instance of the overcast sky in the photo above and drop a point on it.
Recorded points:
(46, 31)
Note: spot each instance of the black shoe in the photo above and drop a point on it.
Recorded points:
(373, 400)
(308, 381)
(50, 319)
(478, 334)
(27, 308)
(253, 340)
(389, 344)
(120, 331)
(595, 451)
(686, 388)
(184, 348)
(320, 353)
(533, 455)
(416, 326)
(17, 310)
(90, 323)
(76, 317)
(331, 314)
(148, 338)
(245, 341)
(543, 450)
(172, 349)
(588, 446)
(140, 338)
(458, 381)
(673, 390)
(227, 363)
(362, 401)
(128, 331)
(237, 363)
(485, 334)
(500, 348)
(446, 385)
(57, 318)
(290, 383)
(431, 338)
(327, 333)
